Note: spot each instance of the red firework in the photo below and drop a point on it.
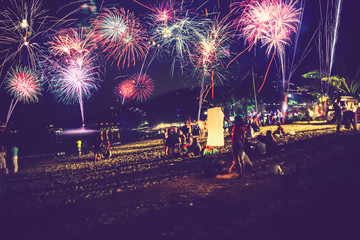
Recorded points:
(143, 86)
(125, 89)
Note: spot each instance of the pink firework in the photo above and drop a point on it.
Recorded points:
(125, 89)
(24, 84)
(143, 87)
(268, 21)
(73, 41)
(165, 12)
(121, 36)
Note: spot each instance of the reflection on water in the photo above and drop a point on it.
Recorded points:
(65, 140)
(58, 141)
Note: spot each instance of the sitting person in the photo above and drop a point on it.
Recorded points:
(349, 120)
(280, 130)
(170, 143)
(249, 131)
(195, 148)
(271, 143)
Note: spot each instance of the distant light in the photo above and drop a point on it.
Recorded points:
(289, 95)
(285, 107)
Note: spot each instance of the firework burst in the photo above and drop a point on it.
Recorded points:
(20, 25)
(23, 25)
(143, 87)
(73, 41)
(178, 39)
(121, 36)
(72, 67)
(165, 12)
(125, 90)
(268, 22)
(24, 85)
(212, 47)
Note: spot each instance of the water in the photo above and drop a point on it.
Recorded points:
(59, 142)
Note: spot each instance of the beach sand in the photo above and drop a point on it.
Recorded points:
(141, 194)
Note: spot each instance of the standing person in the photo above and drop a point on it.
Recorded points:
(307, 115)
(2, 160)
(201, 126)
(108, 150)
(195, 148)
(182, 141)
(237, 139)
(280, 115)
(14, 153)
(271, 143)
(171, 142)
(78, 144)
(338, 116)
(97, 152)
(256, 124)
(85, 146)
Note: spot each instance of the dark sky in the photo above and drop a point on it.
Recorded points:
(346, 56)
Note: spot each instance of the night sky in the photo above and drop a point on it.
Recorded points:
(346, 57)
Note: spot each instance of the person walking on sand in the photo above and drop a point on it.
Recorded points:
(14, 154)
(2, 160)
(237, 139)
(79, 145)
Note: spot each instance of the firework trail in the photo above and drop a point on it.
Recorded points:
(24, 85)
(125, 90)
(328, 35)
(143, 87)
(121, 36)
(269, 22)
(72, 67)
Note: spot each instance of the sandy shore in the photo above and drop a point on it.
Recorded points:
(140, 194)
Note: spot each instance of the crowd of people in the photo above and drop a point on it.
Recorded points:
(186, 140)
(176, 141)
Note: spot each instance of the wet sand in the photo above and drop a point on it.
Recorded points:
(141, 194)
